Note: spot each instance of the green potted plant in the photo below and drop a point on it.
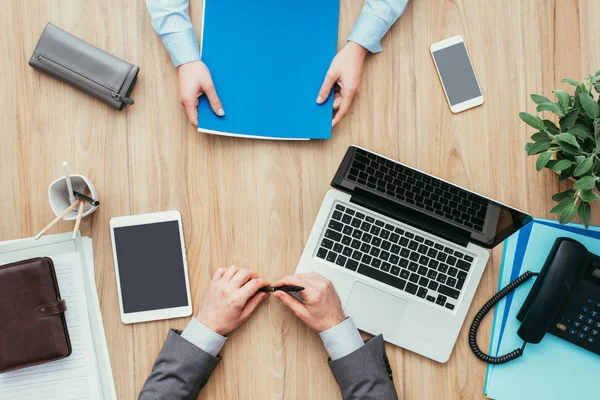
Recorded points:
(571, 149)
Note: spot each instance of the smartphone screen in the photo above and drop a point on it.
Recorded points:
(456, 73)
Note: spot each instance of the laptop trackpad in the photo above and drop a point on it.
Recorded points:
(375, 311)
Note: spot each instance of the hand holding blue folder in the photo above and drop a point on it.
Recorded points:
(195, 81)
(345, 70)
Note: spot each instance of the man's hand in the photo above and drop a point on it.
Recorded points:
(194, 81)
(231, 298)
(321, 308)
(346, 70)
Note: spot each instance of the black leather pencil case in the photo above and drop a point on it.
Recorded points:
(78, 63)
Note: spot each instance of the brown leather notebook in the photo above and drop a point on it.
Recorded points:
(33, 329)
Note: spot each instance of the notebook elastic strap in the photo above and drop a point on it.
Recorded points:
(51, 309)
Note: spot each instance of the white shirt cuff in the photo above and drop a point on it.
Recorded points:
(342, 339)
(203, 337)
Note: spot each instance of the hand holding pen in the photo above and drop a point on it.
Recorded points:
(320, 308)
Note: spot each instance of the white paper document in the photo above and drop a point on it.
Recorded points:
(76, 376)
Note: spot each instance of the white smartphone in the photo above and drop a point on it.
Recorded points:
(456, 74)
(151, 267)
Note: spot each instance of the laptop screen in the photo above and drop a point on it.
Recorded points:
(488, 222)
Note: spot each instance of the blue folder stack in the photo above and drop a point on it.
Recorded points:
(554, 368)
(268, 60)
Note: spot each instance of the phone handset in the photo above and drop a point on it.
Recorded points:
(543, 303)
(565, 265)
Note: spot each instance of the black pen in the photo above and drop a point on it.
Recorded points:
(270, 289)
(81, 196)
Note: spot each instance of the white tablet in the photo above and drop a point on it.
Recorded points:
(151, 267)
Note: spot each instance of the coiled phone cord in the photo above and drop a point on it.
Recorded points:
(482, 313)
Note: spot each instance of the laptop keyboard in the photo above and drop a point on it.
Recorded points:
(394, 256)
(410, 186)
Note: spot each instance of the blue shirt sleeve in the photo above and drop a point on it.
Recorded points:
(375, 19)
(171, 21)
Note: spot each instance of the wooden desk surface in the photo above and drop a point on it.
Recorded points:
(252, 203)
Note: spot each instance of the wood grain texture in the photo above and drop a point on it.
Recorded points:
(252, 203)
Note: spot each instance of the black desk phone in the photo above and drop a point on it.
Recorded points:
(564, 301)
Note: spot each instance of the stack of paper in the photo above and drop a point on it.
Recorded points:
(554, 368)
(86, 373)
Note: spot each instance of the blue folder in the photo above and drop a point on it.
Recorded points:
(268, 60)
(554, 368)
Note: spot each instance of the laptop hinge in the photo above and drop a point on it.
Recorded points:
(411, 217)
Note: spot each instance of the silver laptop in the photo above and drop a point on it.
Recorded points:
(405, 250)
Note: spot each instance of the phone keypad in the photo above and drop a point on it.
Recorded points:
(584, 328)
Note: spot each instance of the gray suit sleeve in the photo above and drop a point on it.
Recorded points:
(180, 370)
(365, 373)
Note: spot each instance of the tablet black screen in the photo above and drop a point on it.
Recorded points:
(151, 270)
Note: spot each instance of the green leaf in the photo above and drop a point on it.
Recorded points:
(568, 138)
(585, 183)
(585, 213)
(532, 120)
(542, 161)
(597, 73)
(585, 120)
(539, 99)
(551, 127)
(598, 145)
(563, 195)
(579, 130)
(565, 174)
(540, 136)
(569, 119)
(583, 167)
(538, 147)
(560, 207)
(592, 109)
(554, 146)
(561, 165)
(589, 196)
(551, 164)
(569, 149)
(552, 107)
(576, 102)
(568, 214)
(570, 81)
(563, 98)
(596, 167)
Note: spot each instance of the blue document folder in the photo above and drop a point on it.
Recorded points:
(554, 368)
(268, 60)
